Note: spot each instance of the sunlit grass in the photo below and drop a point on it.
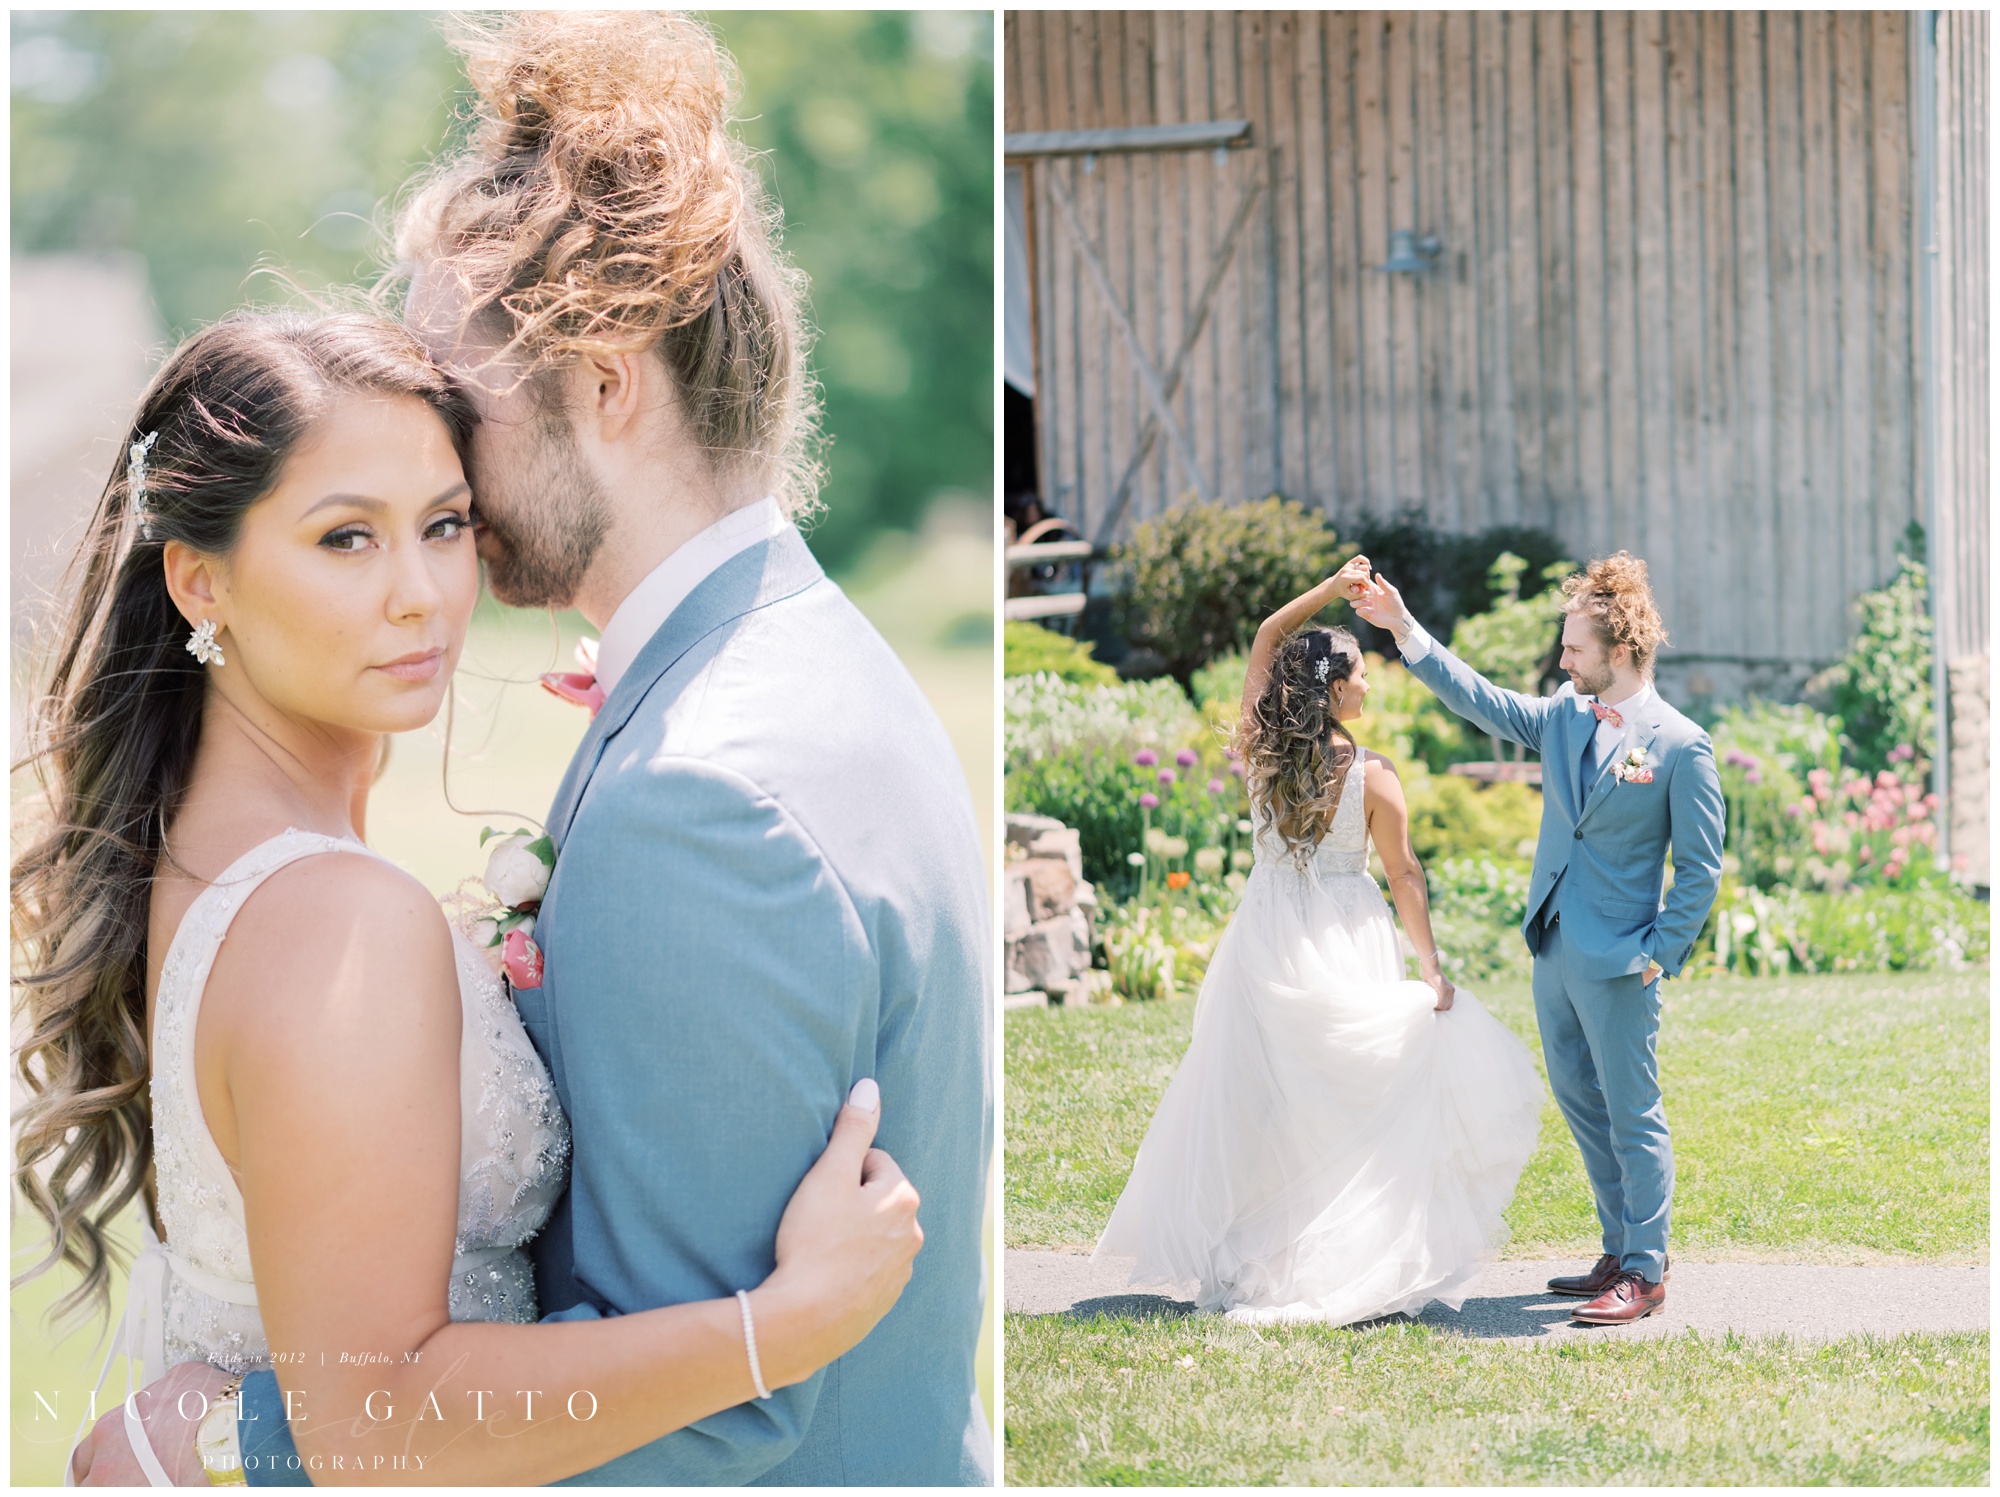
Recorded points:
(1199, 1402)
(1814, 1118)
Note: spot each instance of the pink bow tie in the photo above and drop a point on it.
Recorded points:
(1603, 713)
(575, 686)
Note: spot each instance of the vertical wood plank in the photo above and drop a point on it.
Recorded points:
(1554, 206)
(1435, 490)
(1681, 548)
(1825, 562)
(1372, 190)
(1319, 488)
(1347, 273)
(1498, 418)
(1719, 556)
(1405, 387)
(1893, 419)
(1460, 296)
(1621, 268)
(1657, 491)
(1524, 265)
(1749, 528)
(1590, 510)
(1866, 564)
(1289, 415)
(1791, 480)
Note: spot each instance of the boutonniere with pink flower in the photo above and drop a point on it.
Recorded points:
(517, 876)
(1633, 768)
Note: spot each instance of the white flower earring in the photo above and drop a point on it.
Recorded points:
(201, 644)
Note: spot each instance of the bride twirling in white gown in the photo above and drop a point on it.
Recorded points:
(1339, 1142)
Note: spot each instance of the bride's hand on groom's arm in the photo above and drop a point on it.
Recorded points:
(105, 1458)
(845, 1246)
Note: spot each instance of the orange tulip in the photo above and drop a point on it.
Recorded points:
(1177, 881)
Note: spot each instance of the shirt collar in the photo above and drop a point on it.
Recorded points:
(667, 586)
(1631, 706)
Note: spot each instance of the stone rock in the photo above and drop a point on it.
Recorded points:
(1065, 843)
(1051, 887)
(1030, 999)
(1086, 895)
(1047, 953)
(1018, 917)
(1024, 827)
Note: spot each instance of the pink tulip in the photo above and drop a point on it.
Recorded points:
(1150, 801)
(521, 959)
(1167, 777)
(1145, 758)
(1215, 787)
(1185, 758)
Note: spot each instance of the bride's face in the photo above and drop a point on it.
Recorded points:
(1350, 696)
(346, 599)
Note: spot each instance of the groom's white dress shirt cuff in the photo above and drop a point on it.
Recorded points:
(1416, 644)
(666, 587)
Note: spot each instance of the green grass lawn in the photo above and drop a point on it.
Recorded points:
(1829, 1119)
(1834, 1119)
(930, 595)
(1198, 1402)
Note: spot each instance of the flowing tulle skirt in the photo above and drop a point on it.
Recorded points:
(1332, 1148)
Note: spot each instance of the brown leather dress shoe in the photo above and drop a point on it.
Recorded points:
(1588, 1285)
(1631, 1297)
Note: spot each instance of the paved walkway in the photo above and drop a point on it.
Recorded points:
(1512, 1303)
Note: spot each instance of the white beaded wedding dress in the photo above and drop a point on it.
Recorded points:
(514, 1145)
(1332, 1148)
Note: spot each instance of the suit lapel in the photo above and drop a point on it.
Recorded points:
(755, 577)
(1641, 739)
(1586, 727)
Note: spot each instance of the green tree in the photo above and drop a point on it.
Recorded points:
(1508, 643)
(211, 143)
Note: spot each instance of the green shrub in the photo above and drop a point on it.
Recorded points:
(1454, 817)
(1406, 721)
(1765, 932)
(1202, 577)
(1477, 905)
(1089, 755)
(1446, 577)
(1221, 681)
(1046, 715)
(1882, 689)
(1508, 643)
(1032, 650)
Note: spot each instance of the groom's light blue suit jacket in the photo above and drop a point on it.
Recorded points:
(1600, 860)
(769, 885)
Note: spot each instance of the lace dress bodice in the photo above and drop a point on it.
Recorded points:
(1342, 852)
(514, 1142)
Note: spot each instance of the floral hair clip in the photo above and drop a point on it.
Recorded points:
(1324, 668)
(135, 474)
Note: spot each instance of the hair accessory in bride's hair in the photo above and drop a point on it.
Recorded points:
(135, 474)
(1324, 668)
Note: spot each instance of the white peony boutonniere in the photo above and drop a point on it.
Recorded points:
(1633, 768)
(517, 876)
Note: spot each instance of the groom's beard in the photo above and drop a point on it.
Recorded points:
(1592, 686)
(545, 535)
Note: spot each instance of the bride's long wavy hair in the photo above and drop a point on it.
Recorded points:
(1295, 769)
(113, 735)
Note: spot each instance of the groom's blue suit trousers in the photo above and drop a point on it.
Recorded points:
(1599, 1039)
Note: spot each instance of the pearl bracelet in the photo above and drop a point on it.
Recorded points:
(750, 1345)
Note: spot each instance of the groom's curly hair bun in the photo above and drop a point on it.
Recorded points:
(601, 205)
(1614, 595)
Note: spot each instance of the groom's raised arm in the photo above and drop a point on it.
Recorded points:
(712, 997)
(1512, 715)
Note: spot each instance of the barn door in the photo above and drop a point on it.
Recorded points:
(1152, 330)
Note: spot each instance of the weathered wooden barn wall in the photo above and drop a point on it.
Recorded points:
(1964, 398)
(1961, 555)
(1673, 308)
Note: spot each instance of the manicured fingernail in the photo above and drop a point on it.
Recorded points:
(866, 1095)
